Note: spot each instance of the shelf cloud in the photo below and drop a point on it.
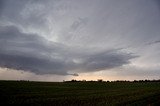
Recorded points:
(30, 52)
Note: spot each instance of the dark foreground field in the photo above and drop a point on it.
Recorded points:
(79, 93)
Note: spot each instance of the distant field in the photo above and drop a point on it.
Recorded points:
(79, 93)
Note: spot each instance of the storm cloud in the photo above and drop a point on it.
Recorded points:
(30, 52)
(66, 37)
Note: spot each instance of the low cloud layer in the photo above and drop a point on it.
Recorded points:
(30, 52)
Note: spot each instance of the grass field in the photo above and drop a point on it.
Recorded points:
(79, 93)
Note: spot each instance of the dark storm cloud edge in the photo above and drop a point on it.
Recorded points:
(30, 52)
(155, 42)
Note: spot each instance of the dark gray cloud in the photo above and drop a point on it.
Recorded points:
(155, 42)
(105, 60)
(30, 52)
(1, 6)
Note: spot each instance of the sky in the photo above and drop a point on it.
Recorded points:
(56, 40)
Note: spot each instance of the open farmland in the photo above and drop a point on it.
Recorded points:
(79, 93)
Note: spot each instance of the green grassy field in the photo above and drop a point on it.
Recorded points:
(79, 93)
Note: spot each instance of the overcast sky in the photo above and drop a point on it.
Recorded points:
(55, 40)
